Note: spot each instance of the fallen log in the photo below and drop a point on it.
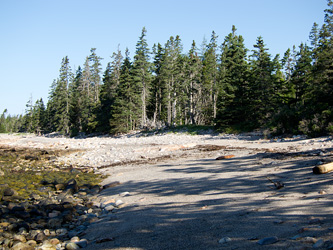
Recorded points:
(323, 169)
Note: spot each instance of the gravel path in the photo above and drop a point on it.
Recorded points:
(171, 193)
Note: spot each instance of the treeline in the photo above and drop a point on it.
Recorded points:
(225, 85)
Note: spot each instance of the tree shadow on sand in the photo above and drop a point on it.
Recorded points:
(212, 199)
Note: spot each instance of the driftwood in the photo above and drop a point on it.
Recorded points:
(277, 184)
(225, 157)
(323, 169)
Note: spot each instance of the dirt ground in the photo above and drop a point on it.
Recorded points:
(186, 199)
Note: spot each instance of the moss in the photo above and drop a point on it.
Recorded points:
(32, 176)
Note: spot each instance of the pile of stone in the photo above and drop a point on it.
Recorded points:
(52, 223)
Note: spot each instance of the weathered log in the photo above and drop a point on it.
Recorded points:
(223, 157)
(323, 169)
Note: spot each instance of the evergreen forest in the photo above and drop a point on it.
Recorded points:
(225, 85)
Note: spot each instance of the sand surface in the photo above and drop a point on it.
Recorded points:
(176, 195)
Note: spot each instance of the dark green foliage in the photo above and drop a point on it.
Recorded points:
(126, 111)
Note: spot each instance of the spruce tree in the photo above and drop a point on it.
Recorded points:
(126, 110)
(58, 104)
(142, 73)
(233, 99)
(156, 108)
(210, 80)
(261, 86)
(194, 87)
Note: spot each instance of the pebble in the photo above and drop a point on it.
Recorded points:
(268, 240)
(225, 240)
(318, 244)
(125, 194)
(72, 246)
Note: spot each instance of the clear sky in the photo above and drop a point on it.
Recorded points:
(37, 34)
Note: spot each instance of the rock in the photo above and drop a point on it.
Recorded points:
(224, 240)
(71, 186)
(40, 237)
(20, 238)
(9, 192)
(22, 246)
(32, 243)
(60, 186)
(278, 221)
(54, 241)
(72, 246)
(119, 203)
(314, 221)
(112, 184)
(82, 243)
(47, 246)
(61, 231)
(75, 239)
(268, 240)
(123, 194)
(109, 207)
(309, 239)
(54, 223)
(318, 244)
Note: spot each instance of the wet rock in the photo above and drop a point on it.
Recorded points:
(268, 240)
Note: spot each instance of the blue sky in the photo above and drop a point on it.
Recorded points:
(37, 34)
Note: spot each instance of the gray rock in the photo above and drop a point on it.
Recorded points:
(268, 240)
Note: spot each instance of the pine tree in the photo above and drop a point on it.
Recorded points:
(194, 90)
(318, 106)
(126, 110)
(156, 108)
(142, 73)
(170, 75)
(210, 80)
(95, 71)
(233, 99)
(262, 86)
(111, 80)
(58, 104)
